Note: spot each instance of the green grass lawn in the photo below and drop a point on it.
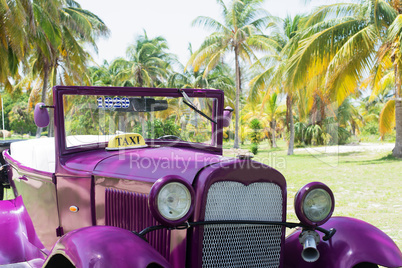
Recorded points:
(367, 185)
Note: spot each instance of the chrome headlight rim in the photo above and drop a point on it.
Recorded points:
(153, 200)
(300, 198)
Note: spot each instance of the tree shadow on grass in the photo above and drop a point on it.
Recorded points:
(384, 159)
(327, 154)
(332, 159)
(275, 149)
(387, 158)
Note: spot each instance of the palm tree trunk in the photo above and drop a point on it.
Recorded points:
(289, 102)
(274, 134)
(144, 126)
(51, 126)
(397, 151)
(236, 138)
(44, 89)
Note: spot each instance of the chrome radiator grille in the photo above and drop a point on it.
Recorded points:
(242, 245)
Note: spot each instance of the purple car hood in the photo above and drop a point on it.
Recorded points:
(150, 164)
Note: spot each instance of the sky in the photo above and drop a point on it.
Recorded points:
(170, 19)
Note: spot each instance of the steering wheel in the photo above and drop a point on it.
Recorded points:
(169, 137)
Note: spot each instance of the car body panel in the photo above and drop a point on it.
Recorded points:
(151, 164)
(105, 246)
(18, 239)
(39, 191)
(74, 202)
(354, 242)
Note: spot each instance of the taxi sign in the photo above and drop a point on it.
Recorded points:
(126, 141)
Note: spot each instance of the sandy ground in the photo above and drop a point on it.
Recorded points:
(234, 152)
(361, 147)
(334, 149)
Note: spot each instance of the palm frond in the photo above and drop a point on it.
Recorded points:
(387, 117)
(386, 81)
(325, 12)
(386, 12)
(260, 83)
(395, 30)
(209, 23)
(351, 62)
(320, 47)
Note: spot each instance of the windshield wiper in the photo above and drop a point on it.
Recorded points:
(190, 104)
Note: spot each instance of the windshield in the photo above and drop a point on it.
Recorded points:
(95, 119)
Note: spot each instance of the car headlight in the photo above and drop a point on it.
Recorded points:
(171, 200)
(314, 204)
(174, 201)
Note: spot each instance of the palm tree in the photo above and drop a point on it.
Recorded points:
(15, 18)
(273, 111)
(148, 64)
(342, 41)
(105, 74)
(99, 75)
(274, 74)
(240, 34)
(250, 111)
(62, 29)
(219, 78)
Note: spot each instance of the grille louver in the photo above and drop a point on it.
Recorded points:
(130, 211)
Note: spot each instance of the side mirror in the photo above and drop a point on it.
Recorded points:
(41, 115)
(227, 116)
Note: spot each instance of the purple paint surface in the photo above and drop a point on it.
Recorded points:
(354, 242)
(18, 238)
(41, 115)
(104, 246)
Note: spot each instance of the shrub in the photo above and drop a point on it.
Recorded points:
(158, 128)
(370, 128)
(300, 130)
(21, 119)
(313, 135)
(255, 134)
(343, 135)
(254, 148)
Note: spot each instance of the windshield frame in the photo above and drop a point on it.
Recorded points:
(60, 91)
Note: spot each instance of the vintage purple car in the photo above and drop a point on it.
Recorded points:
(135, 177)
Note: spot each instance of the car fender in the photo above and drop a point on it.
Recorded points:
(106, 246)
(354, 242)
(18, 240)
